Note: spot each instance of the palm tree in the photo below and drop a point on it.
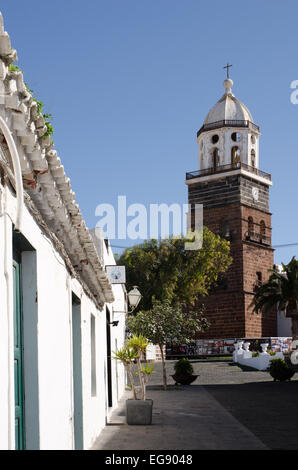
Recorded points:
(281, 290)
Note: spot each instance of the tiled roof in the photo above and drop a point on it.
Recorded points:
(44, 177)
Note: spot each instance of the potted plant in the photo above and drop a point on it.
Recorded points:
(272, 353)
(138, 410)
(183, 372)
(280, 370)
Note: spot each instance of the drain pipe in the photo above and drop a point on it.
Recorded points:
(17, 171)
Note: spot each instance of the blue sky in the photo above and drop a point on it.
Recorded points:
(130, 82)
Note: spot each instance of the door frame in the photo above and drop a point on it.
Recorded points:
(109, 359)
(18, 335)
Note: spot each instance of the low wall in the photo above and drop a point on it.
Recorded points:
(242, 355)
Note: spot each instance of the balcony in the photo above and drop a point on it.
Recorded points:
(257, 237)
(226, 168)
(228, 123)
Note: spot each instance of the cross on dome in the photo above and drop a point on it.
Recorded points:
(227, 67)
(228, 82)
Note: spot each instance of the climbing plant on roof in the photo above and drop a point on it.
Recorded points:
(14, 68)
(40, 105)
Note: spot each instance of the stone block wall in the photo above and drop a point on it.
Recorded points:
(228, 307)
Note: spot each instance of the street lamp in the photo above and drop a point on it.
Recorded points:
(134, 297)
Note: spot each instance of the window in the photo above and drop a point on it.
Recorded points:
(226, 229)
(215, 158)
(235, 156)
(250, 225)
(258, 281)
(215, 139)
(236, 137)
(253, 139)
(253, 158)
(192, 217)
(262, 228)
(93, 356)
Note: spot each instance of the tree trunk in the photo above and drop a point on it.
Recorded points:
(294, 326)
(141, 378)
(164, 372)
(130, 374)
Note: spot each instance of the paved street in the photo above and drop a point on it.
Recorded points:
(225, 408)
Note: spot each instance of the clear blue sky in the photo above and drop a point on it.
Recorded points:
(129, 83)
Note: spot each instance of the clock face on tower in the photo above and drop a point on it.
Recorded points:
(255, 194)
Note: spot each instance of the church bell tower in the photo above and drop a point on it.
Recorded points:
(235, 197)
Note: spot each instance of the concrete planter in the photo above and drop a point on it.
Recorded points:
(139, 411)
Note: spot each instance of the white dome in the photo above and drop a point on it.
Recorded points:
(228, 108)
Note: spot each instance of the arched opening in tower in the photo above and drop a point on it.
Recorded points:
(235, 156)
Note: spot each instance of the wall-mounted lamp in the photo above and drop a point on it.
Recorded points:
(134, 296)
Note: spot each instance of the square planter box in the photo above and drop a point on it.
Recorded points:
(139, 411)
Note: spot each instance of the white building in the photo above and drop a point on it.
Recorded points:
(284, 324)
(58, 383)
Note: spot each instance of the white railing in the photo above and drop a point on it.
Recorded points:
(242, 355)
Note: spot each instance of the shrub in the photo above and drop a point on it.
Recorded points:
(255, 354)
(183, 366)
(280, 370)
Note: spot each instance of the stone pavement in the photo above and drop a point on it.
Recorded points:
(225, 408)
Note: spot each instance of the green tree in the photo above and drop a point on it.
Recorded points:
(165, 323)
(165, 270)
(280, 291)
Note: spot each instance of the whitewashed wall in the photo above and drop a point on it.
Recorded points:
(48, 363)
(225, 145)
(118, 313)
(6, 350)
(284, 325)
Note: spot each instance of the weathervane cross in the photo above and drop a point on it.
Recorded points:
(227, 67)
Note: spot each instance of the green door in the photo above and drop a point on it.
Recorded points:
(18, 355)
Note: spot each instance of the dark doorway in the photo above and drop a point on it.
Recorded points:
(77, 372)
(109, 358)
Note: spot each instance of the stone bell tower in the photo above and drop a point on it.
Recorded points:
(235, 197)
